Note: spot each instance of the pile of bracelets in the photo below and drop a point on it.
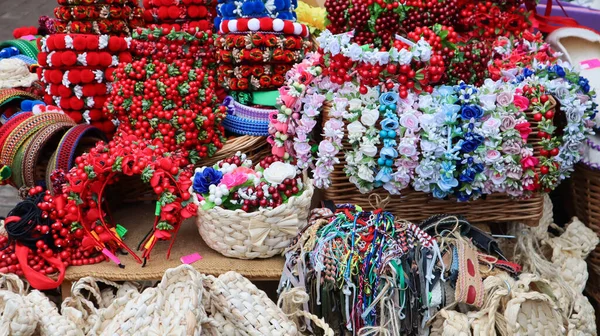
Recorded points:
(259, 41)
(174, 13)
(78, 70)
(97, 17)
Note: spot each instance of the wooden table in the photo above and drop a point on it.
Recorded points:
(138, 219)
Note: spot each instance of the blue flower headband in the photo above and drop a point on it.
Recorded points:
(275, 9)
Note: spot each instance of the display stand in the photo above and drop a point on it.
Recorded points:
(138, 219)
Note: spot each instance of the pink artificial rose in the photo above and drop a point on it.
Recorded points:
(279, 151)
(524, 129)
(234, 179)
(529, 162)
(521, 102)
(529, 187)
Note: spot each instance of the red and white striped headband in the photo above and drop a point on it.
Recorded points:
(265, 25)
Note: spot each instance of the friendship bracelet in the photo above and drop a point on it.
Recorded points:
(83, 42)
(263, 82)
(75, 103)
(164, 13)
(281, 9)
(262, 39)
(264, 98)
(39, 144)
(258, 55)
(88, 90)
(263, 24)
(76, 76)
(93, 58)
(94, 12)
(102, 26)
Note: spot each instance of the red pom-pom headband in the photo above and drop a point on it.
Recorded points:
(93, 58)
(163, 13)
(101, 26)
(263, 25)
(76, 76)
(83, 42)
(85, 90)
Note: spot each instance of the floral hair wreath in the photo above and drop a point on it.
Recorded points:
(262, 39)
(83, 42)
(83, 13)
(175, 13)
(158, 3)
(167, 174)
(275, 9)
(76, 76)
(264, 25)
(259, 55)
(255, 83)
(93, 58)
(87, 90)
(245, 70)
(102, 26)
(92, 2)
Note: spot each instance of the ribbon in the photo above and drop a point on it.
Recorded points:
(38, 280)
(260, 228)
(546, 23)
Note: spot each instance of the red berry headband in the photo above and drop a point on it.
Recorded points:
(175, 13)
(87, 90)
(264, 25)
(159, 3)
(57, 59)
(83, 42)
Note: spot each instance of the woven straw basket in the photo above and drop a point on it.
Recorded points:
(259, 234)
(586, 199)
(415, 206)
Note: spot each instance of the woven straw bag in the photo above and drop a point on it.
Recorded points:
(259, 234)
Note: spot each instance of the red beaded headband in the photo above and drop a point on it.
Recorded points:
(263, 25)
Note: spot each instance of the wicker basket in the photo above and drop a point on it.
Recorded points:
(586, 198)
(134, 190)
(414, 206)
(259, 234)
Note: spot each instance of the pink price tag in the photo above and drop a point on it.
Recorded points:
(191, 258)
(590, 64)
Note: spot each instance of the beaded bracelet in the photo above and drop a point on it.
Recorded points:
(263, 82)
(282, 9)
(85, 13)
(87, 90)
(166, 13)
(258, 55)
(92, 58)
(75, 103)
(263, 24)
(102, 26)
(262, 39)
(83, 42)
(76, 76)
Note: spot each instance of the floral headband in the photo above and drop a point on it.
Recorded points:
(275, 9)
(265, 25)
(84, 13)
(102, 26)
(87, 90)
(260, 39)
(258, 55)
(263, 82)
(158, 3)
(76, 76)
(175, 13)
(245, 70)
(92, 2)
(69, 58)
(82, 42)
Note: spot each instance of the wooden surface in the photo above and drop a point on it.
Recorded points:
(138, 219)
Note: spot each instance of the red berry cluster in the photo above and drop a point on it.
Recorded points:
(487, 19)
(426, 13)
(169, 94)
(470, 62)
(442, 39)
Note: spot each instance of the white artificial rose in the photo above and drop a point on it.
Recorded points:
(356, 128)
(354, 104)
(369, 117)
(368, 149)
(278, 172)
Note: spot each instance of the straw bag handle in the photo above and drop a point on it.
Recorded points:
(91, 285)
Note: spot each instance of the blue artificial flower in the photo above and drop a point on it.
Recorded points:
(203, 179)
(527, 72)
(388, 153)
(388, 98)
(478, 167)
(282, 5)
(558, 70)
(389, 124)
(468, 146)
(471, 111)
(447, 183)
(586, 88)
(450, 112)
(285, 16)
(467, 175)
(384, 175)
(520, 78)
(445, 90)
(462, 196)
(438, 193)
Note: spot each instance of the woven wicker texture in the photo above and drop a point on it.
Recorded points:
(138, 219)
(416, 206)
(260, 234)
(586, 198)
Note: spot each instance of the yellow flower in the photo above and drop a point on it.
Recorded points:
(313, 17)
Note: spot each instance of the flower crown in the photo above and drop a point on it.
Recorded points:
(84, 13)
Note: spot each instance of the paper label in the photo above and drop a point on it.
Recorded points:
(590, 64)
(191, 258)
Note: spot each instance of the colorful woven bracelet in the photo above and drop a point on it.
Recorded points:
(26, 129)
(246, 70)
(27, 48)
(83, 42)
(65, 154)
(264, 25)
(39, 144)
(281, 9)
(76, 76)
(264, 82)
(260, 55)
(262, 39)
(175, 13)
(263, 98)
(85, 90)
(246, 120)
(94, 12)
(11, 124)
(75, 103)
(102, 26)
(70, 58)
(93, 2)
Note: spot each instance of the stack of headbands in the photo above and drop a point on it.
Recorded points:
(97, 17)
(173, 13)
(259, 41)
(78, 70)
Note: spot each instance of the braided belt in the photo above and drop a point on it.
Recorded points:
(23, 131)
